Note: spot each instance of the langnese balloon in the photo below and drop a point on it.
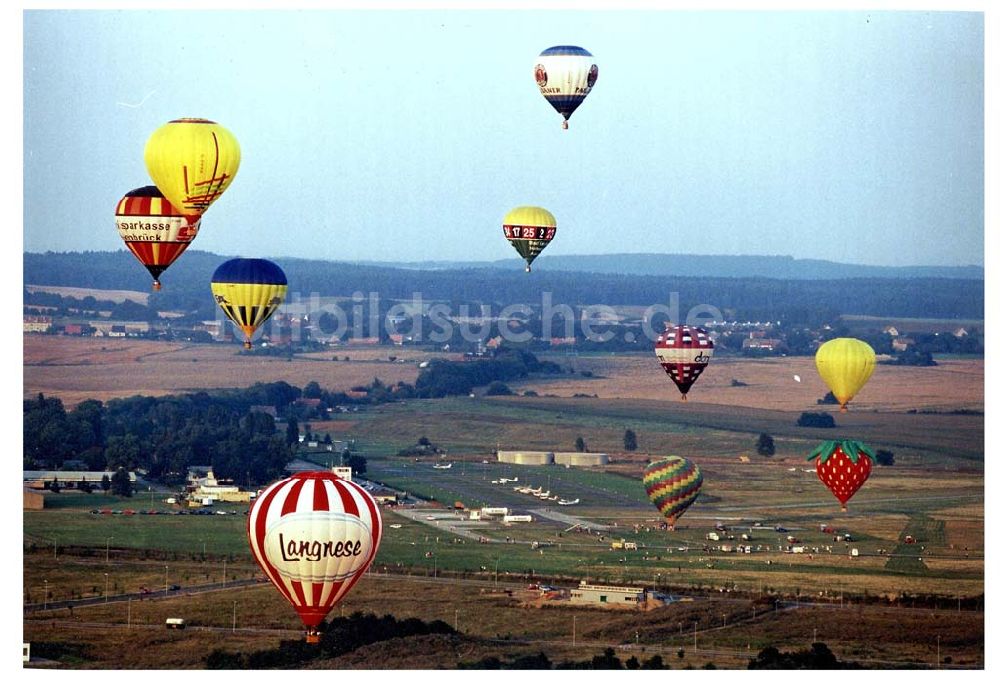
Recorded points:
(672, 484)
(565, 75)
(314, 535)
(845, 365)
(153, 230)
(843, 466)
(249, 291)
(529, 229)
(684, 352)
(193, 161)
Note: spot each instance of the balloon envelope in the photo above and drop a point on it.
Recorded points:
(153, 230)
(314, 536)
(684, 353)
(249, 291)
(845, 365)
(193, 161)
(529, 229)
(565, 75)
(672, 484)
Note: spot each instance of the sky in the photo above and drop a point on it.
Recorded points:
(391, 135)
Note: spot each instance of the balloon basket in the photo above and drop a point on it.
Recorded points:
(156, 285)
(565, 125)
(527, 268)
(312, 637)
(247, 345)
(684, 398)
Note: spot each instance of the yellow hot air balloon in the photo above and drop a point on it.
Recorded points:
(192, 161)
(845, 365)
(529, 229)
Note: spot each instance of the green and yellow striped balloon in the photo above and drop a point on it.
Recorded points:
(672, 484)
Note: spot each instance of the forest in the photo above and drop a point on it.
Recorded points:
(802, 301)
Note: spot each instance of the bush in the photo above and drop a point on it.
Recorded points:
(498, 388)
(819, 420)
(765, 445)
(828, 399)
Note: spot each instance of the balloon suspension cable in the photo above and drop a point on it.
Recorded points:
(843, 408)
(156, 285)
(684, 397)
(565, 125)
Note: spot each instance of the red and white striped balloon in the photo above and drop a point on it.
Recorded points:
(314, 535)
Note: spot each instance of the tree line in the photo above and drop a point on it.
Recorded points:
(747, 298)
(232, 430)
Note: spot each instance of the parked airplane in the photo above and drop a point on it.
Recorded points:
(508, 480)
(443, 466)
(569, 502)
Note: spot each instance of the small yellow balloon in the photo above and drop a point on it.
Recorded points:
(192, 161)
(845, 365)
(529, 229)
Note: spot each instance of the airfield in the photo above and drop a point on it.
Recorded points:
(915, 603)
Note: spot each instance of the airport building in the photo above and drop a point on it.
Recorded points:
(541, 458)
(580, 459)
(607, 594)
(529, 457)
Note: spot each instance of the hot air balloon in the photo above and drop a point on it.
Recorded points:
(845, 365)
(249, 290)
(684, 353)
(192, 161)
(529, 229)
(154, 231)
(565, 74)
(314, 536)
(843, 466)
(672, 484)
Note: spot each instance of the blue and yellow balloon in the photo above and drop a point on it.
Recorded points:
(249, 290)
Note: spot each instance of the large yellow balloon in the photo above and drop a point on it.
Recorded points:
(845, 365)
(192, 161)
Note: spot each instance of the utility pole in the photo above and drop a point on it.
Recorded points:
(128, 619)
(456, 620)
(939, 651)
(234, 616)
(574, 630)
(105, 588)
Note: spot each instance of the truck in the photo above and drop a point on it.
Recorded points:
(175, 623)
(712, 536)
(623, 544)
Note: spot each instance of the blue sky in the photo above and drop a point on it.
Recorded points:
(407, 135)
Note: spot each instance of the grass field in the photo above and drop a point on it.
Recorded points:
(935, 492)
(75, 369)
(730, 629)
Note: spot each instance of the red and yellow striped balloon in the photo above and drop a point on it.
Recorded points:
(314, 535)
(153, 229)
(672, 484)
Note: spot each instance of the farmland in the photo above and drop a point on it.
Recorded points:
(934, 492)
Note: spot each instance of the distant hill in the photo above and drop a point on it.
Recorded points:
(807, 300)
(678, 265)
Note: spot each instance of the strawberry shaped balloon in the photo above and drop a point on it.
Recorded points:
(843, 466)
